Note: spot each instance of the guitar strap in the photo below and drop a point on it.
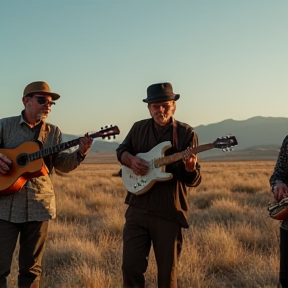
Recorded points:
(41, 139)
(175, 135)
(42, 136)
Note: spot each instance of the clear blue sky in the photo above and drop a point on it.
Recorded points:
(227, 59)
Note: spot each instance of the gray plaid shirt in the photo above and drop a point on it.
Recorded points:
(36, 200)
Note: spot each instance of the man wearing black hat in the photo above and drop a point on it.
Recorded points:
(26, 207)
(157, 215)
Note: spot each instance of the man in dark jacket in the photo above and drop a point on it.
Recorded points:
(157, 210)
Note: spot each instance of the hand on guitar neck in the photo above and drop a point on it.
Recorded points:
(189, 160)
(4, 164)
(85, 144)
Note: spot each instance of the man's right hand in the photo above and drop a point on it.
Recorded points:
(138, 165)
(280, 191)
(4, 164)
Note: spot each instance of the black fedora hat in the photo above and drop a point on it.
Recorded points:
(160, 92)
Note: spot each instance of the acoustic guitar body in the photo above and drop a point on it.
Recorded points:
(21, 169)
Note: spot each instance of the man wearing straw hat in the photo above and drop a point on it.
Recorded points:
(26, 210)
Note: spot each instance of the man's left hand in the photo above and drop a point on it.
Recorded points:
(189, 160)
(85, 144)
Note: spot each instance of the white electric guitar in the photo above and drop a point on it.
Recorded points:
(157, 162)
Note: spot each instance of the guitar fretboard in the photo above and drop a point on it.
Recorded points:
(166, 160)
(52, 150)
(107, 132)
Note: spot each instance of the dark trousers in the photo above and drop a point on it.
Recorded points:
(140, 231)
(283, 274)
(32, 236)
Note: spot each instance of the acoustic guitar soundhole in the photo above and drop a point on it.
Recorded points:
(22, 159)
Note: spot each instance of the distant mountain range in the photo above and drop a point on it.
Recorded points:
(259, 138)
(251, 132)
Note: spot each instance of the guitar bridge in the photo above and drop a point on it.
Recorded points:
(140, 182)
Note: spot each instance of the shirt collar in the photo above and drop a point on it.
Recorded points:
(22, 120)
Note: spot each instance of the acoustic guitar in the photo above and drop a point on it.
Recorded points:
(157, 161)
(27, 160)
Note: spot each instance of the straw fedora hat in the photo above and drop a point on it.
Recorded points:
(40, 87)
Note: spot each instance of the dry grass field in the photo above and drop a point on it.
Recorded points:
(231, 241)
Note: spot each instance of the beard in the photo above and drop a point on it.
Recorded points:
(162, 119)
(42, 115)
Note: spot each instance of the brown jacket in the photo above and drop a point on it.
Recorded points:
(166, 199)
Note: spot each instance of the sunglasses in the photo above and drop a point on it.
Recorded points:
(43, 100)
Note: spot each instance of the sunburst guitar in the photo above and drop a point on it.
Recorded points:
(27, 160)
(157, 161)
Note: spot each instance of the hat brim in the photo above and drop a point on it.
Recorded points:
(54, 96)
(162, 98)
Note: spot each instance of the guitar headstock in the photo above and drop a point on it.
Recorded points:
(106, 132)
(226, 143)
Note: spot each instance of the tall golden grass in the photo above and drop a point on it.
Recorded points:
(231, 241)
